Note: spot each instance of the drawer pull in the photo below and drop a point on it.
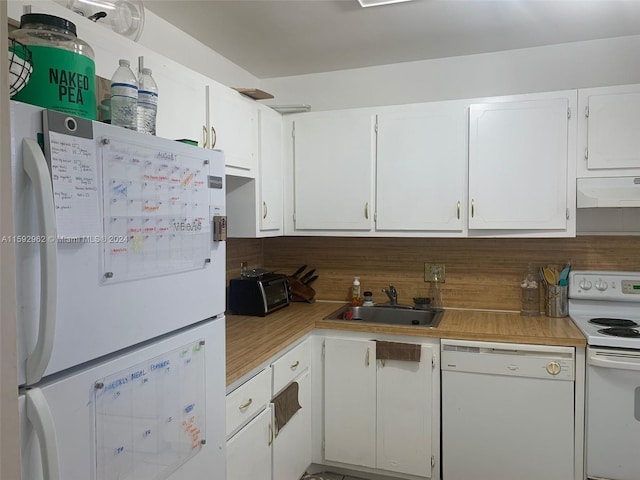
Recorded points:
(295, 364)
(270, 434)
(246, 404)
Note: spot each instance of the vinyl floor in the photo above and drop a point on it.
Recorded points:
(328, 476)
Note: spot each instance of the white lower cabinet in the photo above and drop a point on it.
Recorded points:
(350, 401)
(249, 450)
(378, 414)
(256, 448)
(292, 444)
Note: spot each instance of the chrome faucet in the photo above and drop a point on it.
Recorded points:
(392, 293)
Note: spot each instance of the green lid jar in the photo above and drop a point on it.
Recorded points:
(63, 76)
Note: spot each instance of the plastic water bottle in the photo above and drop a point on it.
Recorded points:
(147, 102)
(124, 97)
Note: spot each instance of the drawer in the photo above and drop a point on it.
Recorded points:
(248, 399)
(290, 365)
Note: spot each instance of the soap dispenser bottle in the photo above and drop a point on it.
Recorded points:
(355, 292)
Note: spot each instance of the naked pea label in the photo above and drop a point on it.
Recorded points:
(62, 81)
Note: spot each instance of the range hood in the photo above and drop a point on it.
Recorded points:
(608, 192)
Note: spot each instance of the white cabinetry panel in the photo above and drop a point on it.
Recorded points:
(333, 171)
(404, 415)
(270, 168)
(421, 168)
(350, 402)
(249, 451)
(518, 165)
(292, 445)
(613, 139)
(234, 129)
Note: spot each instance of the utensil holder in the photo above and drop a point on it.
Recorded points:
(556, 301)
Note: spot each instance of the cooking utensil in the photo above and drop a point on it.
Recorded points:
(541, 275)
(311, 280)
(549, 276)
(564, 275)
(307, 275)
(299, 271)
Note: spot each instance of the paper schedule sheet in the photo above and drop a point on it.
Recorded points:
(75, 185)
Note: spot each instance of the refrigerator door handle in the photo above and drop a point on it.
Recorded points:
(35, 165)
(40, 417)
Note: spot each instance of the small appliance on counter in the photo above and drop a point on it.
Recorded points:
(258, 292)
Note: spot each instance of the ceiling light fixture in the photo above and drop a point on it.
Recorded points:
(377, 3)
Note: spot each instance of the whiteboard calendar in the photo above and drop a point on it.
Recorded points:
(155, 211)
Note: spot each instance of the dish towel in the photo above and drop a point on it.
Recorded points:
(407, 352)
(285, 405)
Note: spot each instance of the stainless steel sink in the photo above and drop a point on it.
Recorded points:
(389, 315)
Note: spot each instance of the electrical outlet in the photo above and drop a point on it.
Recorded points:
(434, 272)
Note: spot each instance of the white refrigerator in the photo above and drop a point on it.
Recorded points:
(120, 260)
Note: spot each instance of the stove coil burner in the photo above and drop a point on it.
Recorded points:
(613, 322)
(620, 332)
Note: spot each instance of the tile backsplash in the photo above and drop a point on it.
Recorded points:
(480, 273)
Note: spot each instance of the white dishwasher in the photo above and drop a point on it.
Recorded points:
(507, 411)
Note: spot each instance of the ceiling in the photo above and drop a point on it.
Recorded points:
(274, 38)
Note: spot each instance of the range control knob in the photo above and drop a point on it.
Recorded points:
(585, 284)
(553, 368)
(602, 285)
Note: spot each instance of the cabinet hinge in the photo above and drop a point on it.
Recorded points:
(323, 349)
(375, 127)
(433, 461)
(293, 130)
(323, 447)
(568, 214)
(569, 113)
(586, 112)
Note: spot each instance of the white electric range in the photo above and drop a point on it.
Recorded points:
(605, 306)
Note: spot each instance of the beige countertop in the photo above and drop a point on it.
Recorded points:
(251, 341)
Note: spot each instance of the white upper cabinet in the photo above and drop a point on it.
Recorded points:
(233, 129)
(421, 168)
(270, 167)
(521, 166)
(254, 205)
(609, 122)
(333, 158)
(181, 104)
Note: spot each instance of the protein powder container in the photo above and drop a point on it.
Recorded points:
(63, 76)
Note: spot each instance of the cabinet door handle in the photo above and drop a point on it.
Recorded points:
(366, 210)
(270, 434)
(473, 208)
(458, 210)
(246, 404)
(214, 137)
(205, 136)
(264, 209)
(295, 364)
(366, 360)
